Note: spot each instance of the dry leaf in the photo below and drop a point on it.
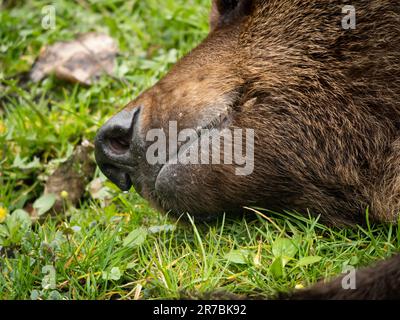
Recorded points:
(69, 181)
(82, 60)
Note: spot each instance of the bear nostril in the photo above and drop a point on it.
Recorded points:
(119, 145)
(115, 137)
(113, 147)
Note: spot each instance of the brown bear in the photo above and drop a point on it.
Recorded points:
(316, 83)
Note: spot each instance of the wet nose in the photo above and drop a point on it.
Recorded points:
(113, 147)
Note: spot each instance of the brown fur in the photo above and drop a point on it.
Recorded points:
(326, 113)
(324, 103)
(381, 282)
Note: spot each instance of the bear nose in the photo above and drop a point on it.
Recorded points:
(113, 147)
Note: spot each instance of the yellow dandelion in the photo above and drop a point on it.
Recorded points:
(3, 128)
(3, 214)
(64, 194)
(299, 286)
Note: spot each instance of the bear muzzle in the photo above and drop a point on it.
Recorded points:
(114, 147)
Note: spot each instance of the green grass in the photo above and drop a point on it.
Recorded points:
(89, 248)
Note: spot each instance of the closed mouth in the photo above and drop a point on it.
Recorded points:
(147, 180)
(218, 124)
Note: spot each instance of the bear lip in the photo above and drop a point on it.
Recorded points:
(222, 120)
(219, 123)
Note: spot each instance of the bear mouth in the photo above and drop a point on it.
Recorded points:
(145, 181)
(147, 189)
